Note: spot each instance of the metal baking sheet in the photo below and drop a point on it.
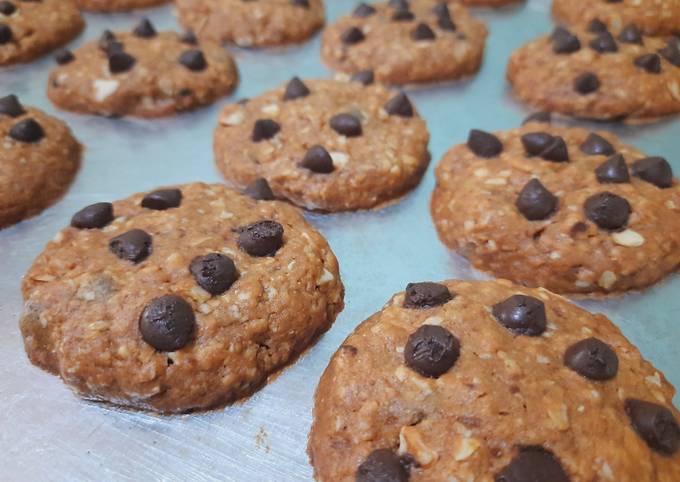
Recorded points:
(49, 434)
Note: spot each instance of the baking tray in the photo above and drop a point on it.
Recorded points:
(49, 434)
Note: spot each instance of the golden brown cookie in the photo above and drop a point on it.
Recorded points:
(256, 23)
(143, 73)
(568, 209)
(31, 28)
(117, 5)
(179, 299)
(593, 73)
(489, 381)
(404, 43)
(38, 160)
(329, 145)
(654, 17)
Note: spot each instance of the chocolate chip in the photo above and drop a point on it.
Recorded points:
(363, 10)
(484, 144)
(431, 351)
(259, 189)
(27, 130)
(7, 8)
(399, 105)
(188, 38)
(564, 42)
(167, 323)
(5, 34)
(382, 465)
(214, 272)
(346, 125)
(535, 202)
(586, 83)
(613, 170)
(10, 105)
(422, 32)
(162, 199)
(596, 26)
(107, 42)
(64, 56)
(533, 464)
(398, 4)
(536, 142)
(193, 60)
(596, 145)
(300, 3)
(120, 62)
(655, 170)
(608, 210)
(604, 43)
(522, 315)
(631, 35)
(263, 238)
(295, 89)
(363, 76)
(317, 159)
(264, 129)
(144, 29)
(441, 10)
(655, 424)
(426, 295)
(403, 15)
(556, 151)
(134, 245)
(649, 62)
(351, 36)
(593, 359)
(543, 117)
(445, 23)
(94, 216)
(671, 52)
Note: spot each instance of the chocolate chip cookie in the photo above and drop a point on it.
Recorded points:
(39, 158)
(404, 43)
(489, 381)
(141, 73)
(574, 211)
(596, 73)
(31, 28)
(183, 298)
(117, 5)
(328, 145)
(258, 23)
(654, 17)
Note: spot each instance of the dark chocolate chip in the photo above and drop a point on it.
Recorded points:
(535, 202)
(431, 351)
(162, 199)
(193, 60)
(604, 43)
(351, 36)
(613, 170)
(263, 238)
(167, 323)
(188, 38)
(596, 26)
(94, 216)
(630, 35)
(317, 159)
(363, 10)
(264, 129)
(300, 3)
(403, 15)
(108, 43)
(536, 142)
(134, 245)
(382, 465)
(671, 52)
(27, 130)
(7, 8)
(259, 189)
(533, 464)
(5, 33)
(556, 151)
(484, 144)
(608, 210)
(649, 62)
(593, 359)
(422, 32)
(543, 117)
(596, 145)
(295, 89)
(346, 125)
(214, 272)
(10, 105)
(441, 9)
(399, 105)
(655, 170)
(522, 315)
(364, 77)
(564, 42)
(655, 424)
(586, 83)
(445, 23)
(120, 62)
(144, 29)
(64, 56)
(426, 295)
(398, 4)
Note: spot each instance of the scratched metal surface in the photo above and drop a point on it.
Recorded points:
(49, 434)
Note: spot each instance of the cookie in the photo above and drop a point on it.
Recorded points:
(328, 145)
(488, 381)
(142, 73)
(654, 17)
(490, 3)
(258, 23)
(594, 73)
(406, 43)
(574, 211)
(117, 5)
(178, 299)
(31, 28)
(38, 160)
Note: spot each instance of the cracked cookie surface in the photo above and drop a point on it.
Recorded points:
(179, 299)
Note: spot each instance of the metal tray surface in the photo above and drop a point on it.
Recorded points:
(49, 434)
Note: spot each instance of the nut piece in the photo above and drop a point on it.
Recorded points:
(411, 442)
